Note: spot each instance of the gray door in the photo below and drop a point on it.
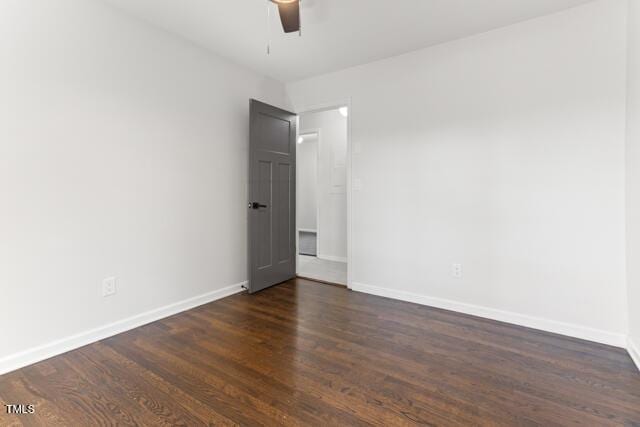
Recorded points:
(272, 196)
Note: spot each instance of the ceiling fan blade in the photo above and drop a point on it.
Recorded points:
(290, 16)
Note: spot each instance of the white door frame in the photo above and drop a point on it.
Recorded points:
(316, 108)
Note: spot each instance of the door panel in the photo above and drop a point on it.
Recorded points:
(272, 157)
(284, 193)
(263, 216)
(274, 133)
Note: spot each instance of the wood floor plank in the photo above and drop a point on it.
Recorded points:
(329, 365)
(501, 389)
(158, 409)
(304, 353)
(178, 396)
(325, 380)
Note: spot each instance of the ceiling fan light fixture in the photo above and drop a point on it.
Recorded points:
(289, 11)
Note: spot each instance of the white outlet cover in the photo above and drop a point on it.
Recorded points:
(456, 270)
(108, 286)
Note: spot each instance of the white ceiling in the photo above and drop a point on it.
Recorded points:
(336, 33)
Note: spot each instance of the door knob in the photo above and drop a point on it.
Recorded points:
(256, 205)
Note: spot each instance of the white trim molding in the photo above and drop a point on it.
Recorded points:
(568, 329)
(307, 230)
(634, 352)
(332, 258)
(55, 348)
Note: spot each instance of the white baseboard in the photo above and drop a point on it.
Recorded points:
(321, 278)
(332, 258)
(307, 230)
(634, 352)
(571, 330)
(46, 351)
(37, 354)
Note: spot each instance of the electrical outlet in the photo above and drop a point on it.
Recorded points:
(456, 270)
(108, 286)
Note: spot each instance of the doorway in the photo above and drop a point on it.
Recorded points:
(321, 199)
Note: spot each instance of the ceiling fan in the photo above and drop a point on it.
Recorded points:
(289, 14)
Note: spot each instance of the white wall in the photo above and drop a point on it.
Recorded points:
(503, 152)
(123, 152)
(307, 184)
(633, 175)
(332, 180)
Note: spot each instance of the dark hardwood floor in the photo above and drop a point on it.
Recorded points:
(306, 353)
